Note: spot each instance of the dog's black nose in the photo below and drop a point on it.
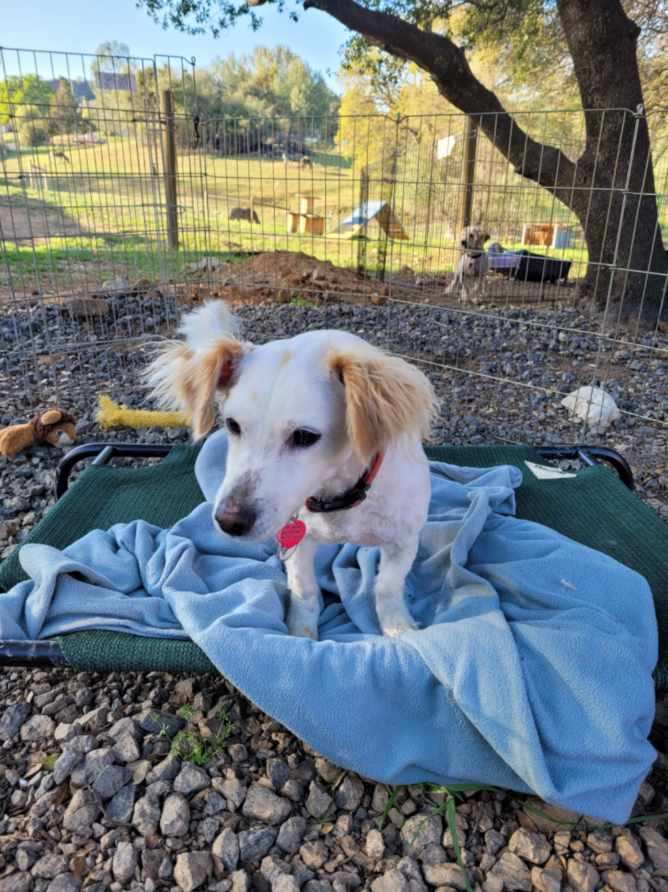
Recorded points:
(236, 522)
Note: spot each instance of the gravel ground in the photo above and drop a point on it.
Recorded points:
(151, 781)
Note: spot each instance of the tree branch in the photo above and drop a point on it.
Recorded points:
(447, 64)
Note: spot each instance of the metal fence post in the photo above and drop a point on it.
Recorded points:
(170, 170)
(470, 148)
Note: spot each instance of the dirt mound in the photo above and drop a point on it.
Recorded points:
(285, 276)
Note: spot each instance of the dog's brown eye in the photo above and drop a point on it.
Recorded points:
(233, 426)
(302, 438)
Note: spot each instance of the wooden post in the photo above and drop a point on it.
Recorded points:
(362, 240)
(170, 170)
(470, 147)
(388, 197)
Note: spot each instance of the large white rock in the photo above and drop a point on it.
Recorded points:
(593, 406)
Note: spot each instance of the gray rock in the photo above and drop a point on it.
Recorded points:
(95, 762)
(158, 789)
(277, 772)
(445, 875)
(254, 844)
(329, 772)
(319, 801)
(317, 886)
(240, 881)
(435, 854)
(494, 841)
(620, 881)
(166, 770)
(65, 764)
(582, 876)
(291, 834)
(66, 882)
(238, 752)
(533, 847)
(191, 779)
(349, 793)
(124, 862)
(262, 804)
(82, 743)
(657, 847)
(420, 831)
(192, 870)
(314, 854)
(374, 845)
(546, 879)
(119, 808)
(38, 728)
(234, 791)
(95, 720)
(16, 882)
(127, 749)
(225, 849)
(392, 881)
(164, 723)
(123, 727)
(146, 815)
(215, 803)
(628, 849)
(599, 842)
(285, 882)
(513, 872)
(175, 817)
(12, 719)
(82, 812)
(111, 779)
(49, 866)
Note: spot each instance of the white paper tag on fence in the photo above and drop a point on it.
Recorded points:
(545, 472)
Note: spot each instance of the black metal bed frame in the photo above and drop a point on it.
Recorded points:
(48, 653)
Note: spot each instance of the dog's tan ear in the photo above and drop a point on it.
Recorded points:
(385, 398)
(191, 381)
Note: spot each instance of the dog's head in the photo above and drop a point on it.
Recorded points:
(474, 238)
(296, 412)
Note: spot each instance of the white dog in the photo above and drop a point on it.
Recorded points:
(473, 263)
(325, 445)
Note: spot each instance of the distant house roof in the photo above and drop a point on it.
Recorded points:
(81, 90)
(115, 80)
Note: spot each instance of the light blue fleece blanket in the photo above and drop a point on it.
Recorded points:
(532, 667)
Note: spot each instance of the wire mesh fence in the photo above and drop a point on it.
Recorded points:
(124, 201)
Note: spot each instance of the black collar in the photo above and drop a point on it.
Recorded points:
(473, 254)
(352, 496)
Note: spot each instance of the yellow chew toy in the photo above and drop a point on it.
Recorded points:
(111, 414)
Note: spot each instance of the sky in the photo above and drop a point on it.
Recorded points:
(81, 25)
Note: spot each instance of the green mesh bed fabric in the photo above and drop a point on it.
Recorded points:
(594, 508)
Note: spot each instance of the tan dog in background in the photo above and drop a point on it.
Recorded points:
(473, 263)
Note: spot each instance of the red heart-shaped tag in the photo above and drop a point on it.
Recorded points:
(291, 534)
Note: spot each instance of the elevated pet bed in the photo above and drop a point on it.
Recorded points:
(530, 667)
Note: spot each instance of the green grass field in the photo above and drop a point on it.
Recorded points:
(75, 214)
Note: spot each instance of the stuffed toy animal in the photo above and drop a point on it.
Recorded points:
(53, 427)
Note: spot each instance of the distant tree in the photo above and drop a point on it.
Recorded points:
(111, 56)
(32, 127)
(64, 114)
(16, 93)
(272, 83)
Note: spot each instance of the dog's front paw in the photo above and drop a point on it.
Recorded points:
(395, 620)
(302, 622)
